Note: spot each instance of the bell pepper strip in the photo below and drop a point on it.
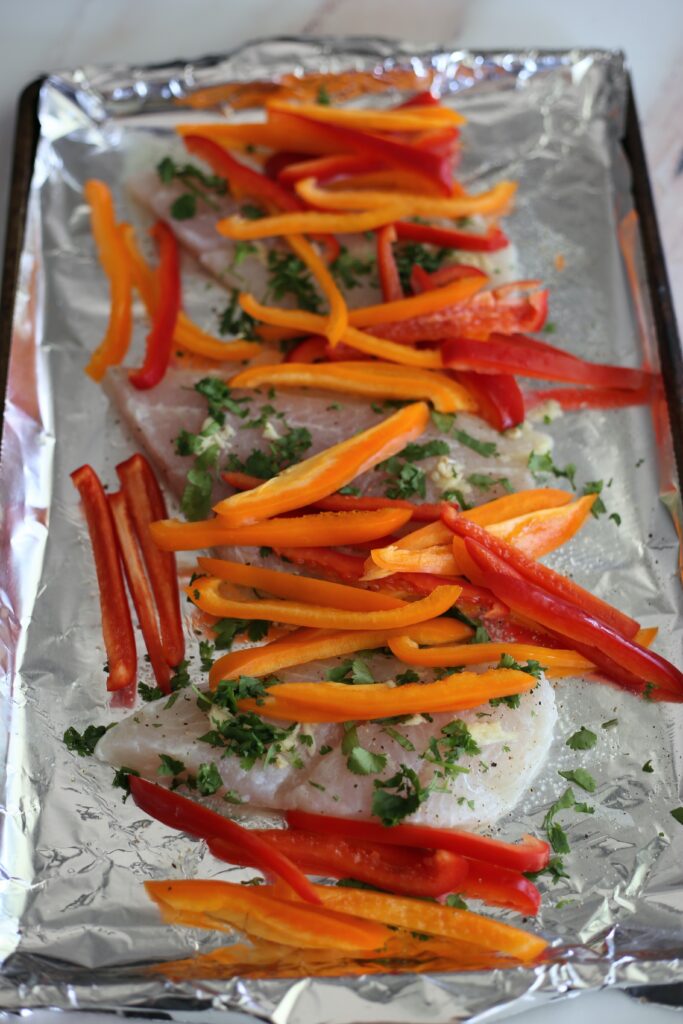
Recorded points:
(479, 318)
(187, 335)
(393, 120)
(277, 162)
(164, 319)
(474, 601)
(389, 279)
(338, 319)
(500, 356)
(298, 588)
(310, 323)
(260, 914)
(379, 380)
(306, 645)
(338, 563)
(323, 168)
(481, 654)
(500, 887)
(114, 261)
(275, 136)
(451, 238)
(530, 854)
(437, 559)
(306, 133)
(537, 573)
(311, 221)
(402, 870)
(310, 350)
(495, 201)
(324, 528)
(146, 504)
(337, 702)
(572, 621)
(498, 396)
(139, 588)
(425, 512)
(573, 399)
(206, 594)
(435, 919)
(324, 473)
(117, 628)
(185, 815)
(418, 305)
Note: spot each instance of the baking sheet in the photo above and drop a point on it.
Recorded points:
(73, 927)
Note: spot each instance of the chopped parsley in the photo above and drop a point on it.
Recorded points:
(397, 797)
(584, 739)
(84, 743)
(580, 777)
(541, 465)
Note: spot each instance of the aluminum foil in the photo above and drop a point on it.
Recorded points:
(74, 928)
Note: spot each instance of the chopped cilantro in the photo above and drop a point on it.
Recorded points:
(557, 837)
(677, 813)
(584, 739)
(242, 251)
(615, 517)
(251, 211)
(409, 676)
(316, 785)
(485, 481)
(322, 96)
(402, 740)
(348, 269)
(288, 275)
(455, 739)
(542, 464)
(598, 507)
(84, 743)
(410, 254)
(647, 767)
(647, 691)
(581, 777)
(170, 766)
(120, 780)
(206, 650)
(180, 678)
(184, 207)
(209, 780)
(456, 495)
(352, 670)
(481, 636)
(364, 762)
(233, 320)
(325, 749)
(198, 184)
(610, 723)
(231, 796)
(226, 630)
(406, 479)
(149, 693)
(550, 328)
(554, 868)
(455, 901)
(353, 491)
(408, 794)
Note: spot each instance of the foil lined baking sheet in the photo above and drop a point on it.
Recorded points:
(75, 930)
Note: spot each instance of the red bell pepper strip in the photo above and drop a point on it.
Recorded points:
(139, 587)
(421, 99)
(472, 600)
(528, 855)
(160, 338)
(310, 350)
(146, 505)
(325, 167)
(389, 280)
(499, 398)
(119, 640)
(571, 621)
(434, 169)
(421, 513)
(402, 870)
(572, 399)
(609, 668)
(500, 887)
(540, 575)
(185, 815)
(452, 238)
(422, 281)
(280, 161)
(336, 563)
(498, 355)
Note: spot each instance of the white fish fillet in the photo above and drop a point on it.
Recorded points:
(514, 744)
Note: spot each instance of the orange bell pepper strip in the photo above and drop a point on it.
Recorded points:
(480, 654)
(262, 915)
(145, 502)
(379, 380)
(435, 919)
(323, 528)
(389, 279)
(311, 323)
(337, 702)
(139, 588)
(416, 305)
(117, 628)
(506, 507)
(206, 594)
(535, 533)
(412, 119)
(324, 473)
(338, 319)
(312, 222)
(537, 573)
(306, 645)
(187, 335)
(493, 202)
(255, 133)
(299, 588)
(423, 512)
(114, 261)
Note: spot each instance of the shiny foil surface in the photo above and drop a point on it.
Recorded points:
(75, 927)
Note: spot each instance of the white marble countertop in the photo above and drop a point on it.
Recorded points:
(40, 35)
